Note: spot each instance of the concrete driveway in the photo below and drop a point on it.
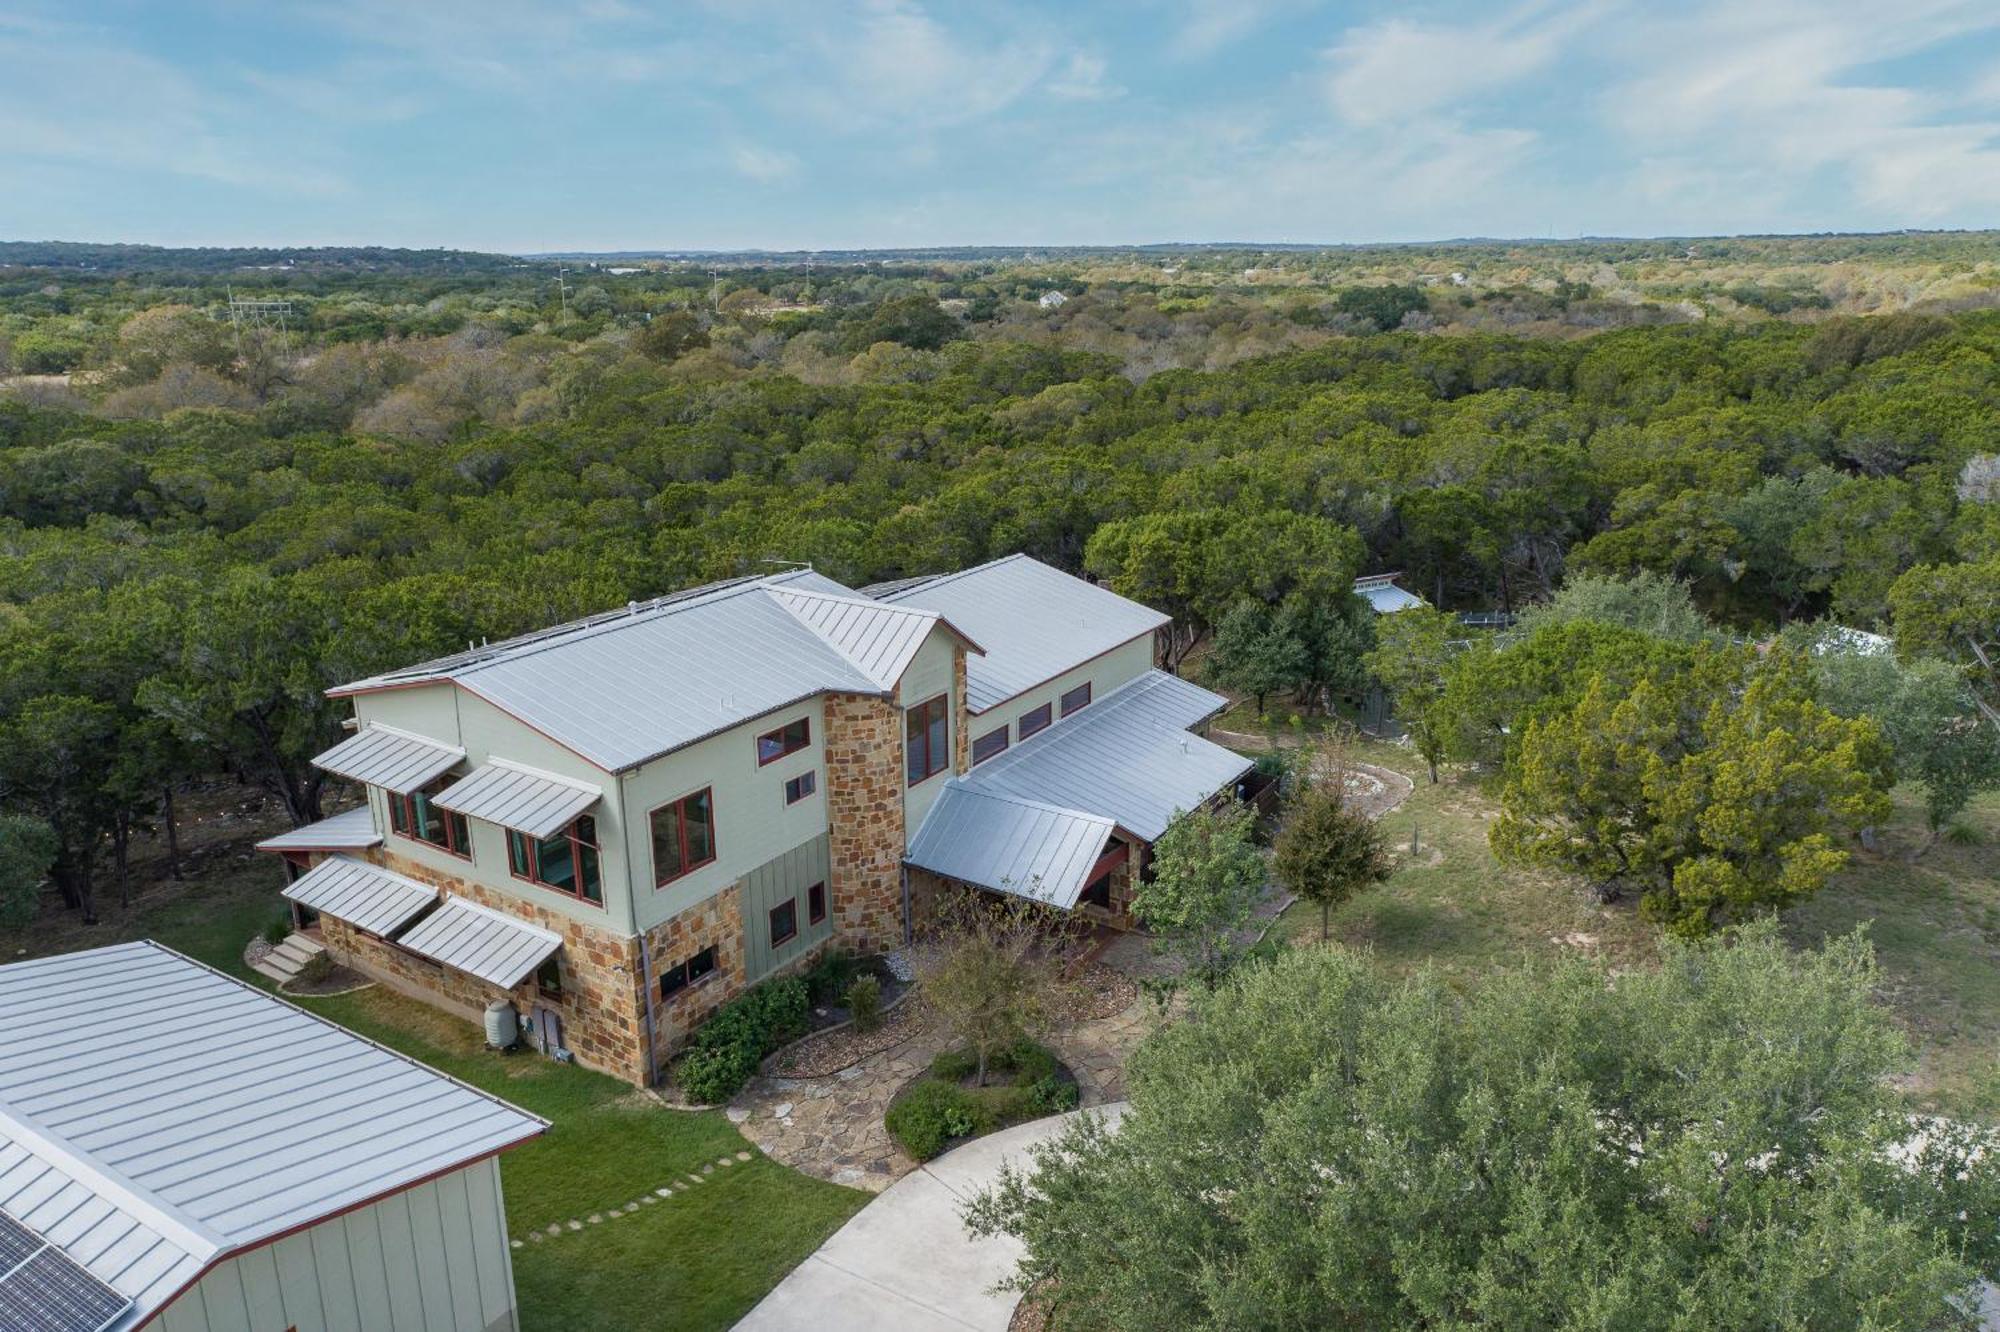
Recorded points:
(905, 1261)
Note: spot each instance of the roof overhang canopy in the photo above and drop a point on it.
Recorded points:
(1012, 845)
(351, 830)
(393, 760)
(538, 804)
(482, 942)
(1127, 757)
(366, 896)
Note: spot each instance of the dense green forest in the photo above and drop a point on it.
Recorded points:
(207, 522)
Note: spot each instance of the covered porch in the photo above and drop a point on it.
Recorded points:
(1069, 819)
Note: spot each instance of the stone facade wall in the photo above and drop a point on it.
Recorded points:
(961, 756)
(715, 921)
(602, 1010)
(863, 748)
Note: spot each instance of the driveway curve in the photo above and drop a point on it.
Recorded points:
(905, 1260)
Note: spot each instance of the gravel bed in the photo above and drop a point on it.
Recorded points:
(830, 1051)
(1099, 991)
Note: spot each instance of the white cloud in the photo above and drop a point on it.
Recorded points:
(1401, 68)
(1206, 26)
(895, 64)
(1782, 94)
(767, 166)
(1082, 80)
(65, 98)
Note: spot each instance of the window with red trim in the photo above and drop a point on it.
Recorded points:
(1076, 699)
(816, 904)
(683, 836)
(986, 746)
(787, 739)
(417, 817)
(926, 739)
(1035, 720)
(566, 861)
(784, 922)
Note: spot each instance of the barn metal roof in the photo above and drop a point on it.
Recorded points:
(482, 942)
(394, 760)
(879, 639)
(1127, 757)
(1381, 593)
(1035, 621)
(623, 689)
(152, 1112)
(1009, 844)
(529, 801)
(349, 830)
(366, 896)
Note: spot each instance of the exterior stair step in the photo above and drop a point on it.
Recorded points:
(283, 962)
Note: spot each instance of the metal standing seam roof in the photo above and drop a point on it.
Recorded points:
(621, 690)
(482, 942)
(1381, 593)
(881, 640)
(1009, 844)
(1127, 757)
(539, 804)
(366, 896)
(151, 1112)
(350, 830)
(395, 760)
(1035, 622)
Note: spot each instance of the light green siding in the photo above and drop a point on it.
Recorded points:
(928, 675)
(432, 1258)
(769, 885)
(1124, 663)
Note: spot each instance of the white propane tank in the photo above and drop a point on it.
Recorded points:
(503, 1025)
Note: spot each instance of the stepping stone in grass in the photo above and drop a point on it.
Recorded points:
(576, 1225)
(743, 1156)
(725, 1160)
(513, 1244)
(664, 1193)
(595, 1218)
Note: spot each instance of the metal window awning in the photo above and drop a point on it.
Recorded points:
(1010, 844)
(366, 896)
(482, 942)
(393, 760)
(353, 830)
(538, 804)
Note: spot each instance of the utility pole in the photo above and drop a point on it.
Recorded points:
(562, 291)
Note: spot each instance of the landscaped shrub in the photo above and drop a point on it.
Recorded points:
(864, 1003)
(277, 932)
(930, 1115)
(315, 969)
(714, 1075)
(831, 977)
(1028, 1083)
(724, 1051)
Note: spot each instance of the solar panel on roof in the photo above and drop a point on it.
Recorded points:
(43, 1289)
(17, 1242)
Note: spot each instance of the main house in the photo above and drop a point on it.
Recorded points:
(619, 823)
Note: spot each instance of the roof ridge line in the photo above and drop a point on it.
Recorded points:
(964, 784)
(936, 579)
(192, 1235)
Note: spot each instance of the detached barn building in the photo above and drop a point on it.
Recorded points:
(179, 1150)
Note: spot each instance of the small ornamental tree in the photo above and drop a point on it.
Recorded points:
(1327, 851)
(1413, 651)
(991, 968)
(1717, 1143)
(1207, 876)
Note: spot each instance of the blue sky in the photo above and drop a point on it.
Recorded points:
(608, 124)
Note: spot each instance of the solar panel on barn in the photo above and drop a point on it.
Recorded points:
(43, 1289)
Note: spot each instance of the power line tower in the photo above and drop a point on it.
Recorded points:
(260, 317)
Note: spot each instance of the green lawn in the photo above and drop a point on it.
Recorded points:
(697, 1260)
(1935, 922)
